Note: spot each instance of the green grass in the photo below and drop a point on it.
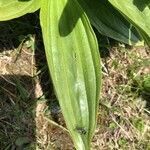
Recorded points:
(30, 116)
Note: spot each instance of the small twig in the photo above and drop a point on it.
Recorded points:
(56, 124)
(8, 92)
(147, 111)
(1, 76)
(121, 128)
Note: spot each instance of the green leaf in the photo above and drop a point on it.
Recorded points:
(138, 13)
(146, 85)
(10, 9)
(74, 64)
(109, 21)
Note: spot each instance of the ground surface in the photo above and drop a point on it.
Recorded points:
(30, 117)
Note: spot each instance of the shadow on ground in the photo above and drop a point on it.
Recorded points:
(17, 115)
(26, 91)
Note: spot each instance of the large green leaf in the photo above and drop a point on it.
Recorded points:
(138, 13)
(109, 21)
(74, 63)
(10, 9)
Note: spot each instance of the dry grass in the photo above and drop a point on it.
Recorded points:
(123, 118)
(30, 117)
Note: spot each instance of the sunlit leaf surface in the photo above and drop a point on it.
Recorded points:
(10, 9)
(74, 63)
